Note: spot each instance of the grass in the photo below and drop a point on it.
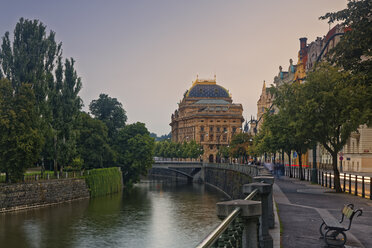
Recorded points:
(280, 224)
(104, 181)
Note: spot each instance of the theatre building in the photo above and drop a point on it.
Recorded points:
(207, 115)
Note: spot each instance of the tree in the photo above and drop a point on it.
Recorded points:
(354, 51)
(135, 149)
(92, 143)
(224, 152)
(65, 105)
(110, 111)
(289, 100)
(240, 144)
(20, 139)
(31, 58)
(333, 108)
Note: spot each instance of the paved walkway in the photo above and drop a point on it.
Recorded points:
(300, 206)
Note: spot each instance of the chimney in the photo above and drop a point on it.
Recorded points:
(303, 43)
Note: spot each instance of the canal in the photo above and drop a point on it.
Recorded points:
(154, 214)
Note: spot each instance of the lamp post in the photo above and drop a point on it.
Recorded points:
(314, 171)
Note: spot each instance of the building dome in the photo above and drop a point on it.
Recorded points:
(207, 89)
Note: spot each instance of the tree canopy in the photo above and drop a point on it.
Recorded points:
(333, 108)
(354, 51)
(110, 111)
(20, 139)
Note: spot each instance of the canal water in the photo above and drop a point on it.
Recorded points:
(154, 214)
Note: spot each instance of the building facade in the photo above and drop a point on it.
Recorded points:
(207, 115)
(357, 153)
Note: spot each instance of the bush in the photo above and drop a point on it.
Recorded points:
(104, 181)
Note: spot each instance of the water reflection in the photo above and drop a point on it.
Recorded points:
(153, 214)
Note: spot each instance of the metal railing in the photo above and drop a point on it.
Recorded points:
(218, 237)
(33, 177)
(358, 185)
(251, 170)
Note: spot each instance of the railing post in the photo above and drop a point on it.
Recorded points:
(349, 183)
(250, 213)
(356, 184)
(344, 182)
(370, 188)
(363, 188)
(268, 180)
(264, 191)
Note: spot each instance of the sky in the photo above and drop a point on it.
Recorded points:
(146, 53)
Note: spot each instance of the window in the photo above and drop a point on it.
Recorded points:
(224, 137)
(225, 129)
(211, 137)
(234, 129)
(202, 128)
(201, 137)
(211, 129)
(218, 129)
(211, 147)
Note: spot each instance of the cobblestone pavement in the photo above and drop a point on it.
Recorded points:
(300, 205)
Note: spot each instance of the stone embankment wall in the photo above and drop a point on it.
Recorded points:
(42, 193)
(229, 181)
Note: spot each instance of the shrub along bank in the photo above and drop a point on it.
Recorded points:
(104, 181)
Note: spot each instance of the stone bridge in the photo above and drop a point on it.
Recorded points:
(228, 178)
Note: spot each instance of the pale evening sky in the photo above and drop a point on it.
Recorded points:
(146, 53)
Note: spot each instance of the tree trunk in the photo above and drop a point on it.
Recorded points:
(336, 177)
(55, 165)
(7, 179)
(289, 164)
(300, 165)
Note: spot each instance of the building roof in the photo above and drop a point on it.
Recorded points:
(207, 89)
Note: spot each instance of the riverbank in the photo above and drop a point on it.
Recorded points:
(41, 193)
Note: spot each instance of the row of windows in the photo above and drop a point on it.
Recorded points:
(217, 121)
(211, 137)
(218, 129)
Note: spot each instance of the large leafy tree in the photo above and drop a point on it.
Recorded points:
(30, 58)
(110, 111)
(239, 145)
(298, 131)
(354, 51)
(65, 104)
(20, 138)
(275, 135)
(333, 107)
(92, 143)
(135, 149)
